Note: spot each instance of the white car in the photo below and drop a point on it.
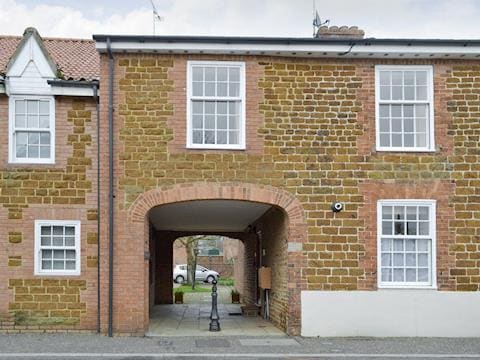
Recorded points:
(202, 274)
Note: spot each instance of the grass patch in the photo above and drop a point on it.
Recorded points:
(226, 282)
(198, 289)
(22, 318)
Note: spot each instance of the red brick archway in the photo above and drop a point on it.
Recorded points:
(296, 234)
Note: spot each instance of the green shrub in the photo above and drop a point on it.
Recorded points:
(226, 282)
(188, 289)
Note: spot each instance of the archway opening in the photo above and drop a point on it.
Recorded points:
(214, 257)
(261, 229)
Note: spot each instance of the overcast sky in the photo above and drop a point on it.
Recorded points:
(458, 19)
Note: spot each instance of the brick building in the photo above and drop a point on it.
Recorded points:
(48, 183)
(256, 139)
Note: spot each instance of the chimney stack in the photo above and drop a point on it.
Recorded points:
(342, 32)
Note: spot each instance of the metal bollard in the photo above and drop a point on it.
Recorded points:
(214, 324)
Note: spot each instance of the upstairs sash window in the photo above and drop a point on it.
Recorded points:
(216, 105)
(32, 133)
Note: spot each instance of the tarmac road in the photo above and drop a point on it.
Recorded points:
(92, 346)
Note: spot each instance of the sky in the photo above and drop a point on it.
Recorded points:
(447, 19)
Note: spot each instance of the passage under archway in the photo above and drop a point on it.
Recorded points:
(137, 229)
(261, 227)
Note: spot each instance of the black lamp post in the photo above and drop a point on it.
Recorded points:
(214, 323)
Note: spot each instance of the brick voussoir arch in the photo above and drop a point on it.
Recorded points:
(210, 191)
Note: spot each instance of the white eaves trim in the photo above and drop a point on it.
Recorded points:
(299, 50)
(71, 91)
(61, 90)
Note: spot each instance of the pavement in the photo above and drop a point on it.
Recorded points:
(194, 320)
(193, 317)
(92, 346)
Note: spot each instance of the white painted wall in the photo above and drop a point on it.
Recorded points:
(387, 313)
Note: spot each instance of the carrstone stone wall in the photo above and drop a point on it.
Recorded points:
(311, 131)
(65, 190)
(310, 127)
(47, 301)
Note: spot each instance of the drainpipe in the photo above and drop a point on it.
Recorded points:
(258, 233)
(110, 192)
(97, 105)
(260, 247)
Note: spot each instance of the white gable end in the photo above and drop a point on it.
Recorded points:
(31, 52)
(29, 72)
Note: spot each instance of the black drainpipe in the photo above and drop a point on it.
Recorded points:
(97, 104)
(110, 193)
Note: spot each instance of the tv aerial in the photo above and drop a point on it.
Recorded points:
(317, 22)
(156, 16)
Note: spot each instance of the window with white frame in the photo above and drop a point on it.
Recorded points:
(404, 108)
(32, 129)
(406, 243)
(57, 247)
(216, 105)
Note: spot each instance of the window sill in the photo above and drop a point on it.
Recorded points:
(210, 147)
(60, 273)
(405, 150)
(407, 287)
(31, 162)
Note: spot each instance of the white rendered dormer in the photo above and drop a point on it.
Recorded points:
(30, 67)
(31, 103)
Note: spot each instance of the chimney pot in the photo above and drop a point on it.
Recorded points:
(342, 32)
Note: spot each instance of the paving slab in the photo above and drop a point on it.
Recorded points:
(268, 342)
(194, 320)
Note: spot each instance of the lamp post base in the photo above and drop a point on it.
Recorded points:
(214, 323)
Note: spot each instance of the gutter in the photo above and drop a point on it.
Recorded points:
(295, 47)
(75, 83)
(110, 185)
(282, 40)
